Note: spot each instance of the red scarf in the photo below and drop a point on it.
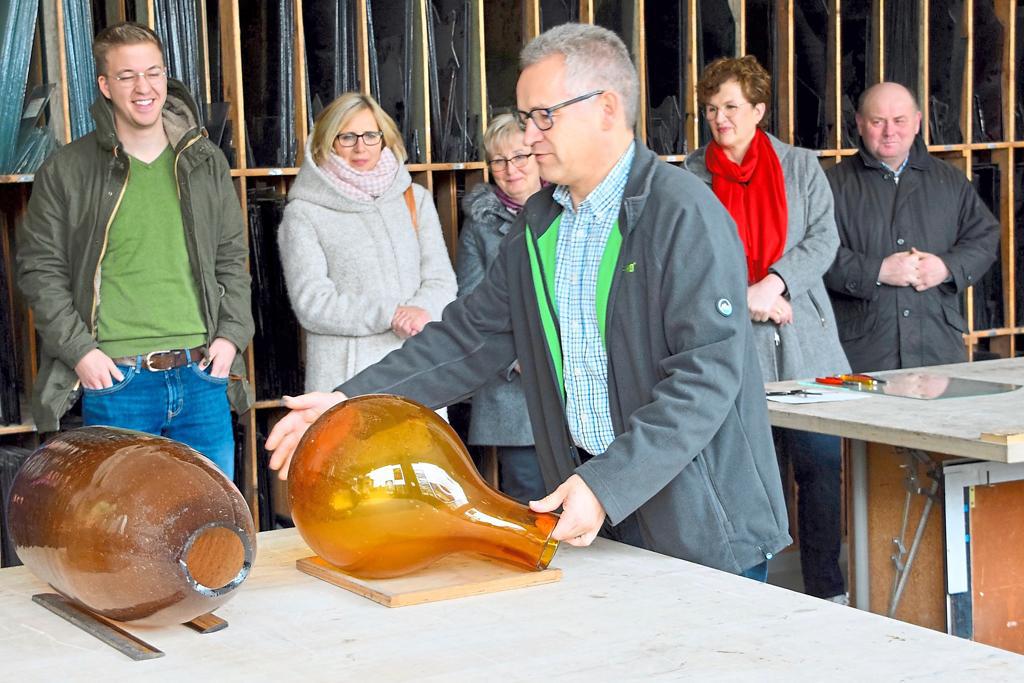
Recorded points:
(754, 193)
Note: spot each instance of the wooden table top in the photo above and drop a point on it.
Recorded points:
(618, 614)
(950, 425)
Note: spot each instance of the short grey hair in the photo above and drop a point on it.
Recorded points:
(595, 59)
(503, 128)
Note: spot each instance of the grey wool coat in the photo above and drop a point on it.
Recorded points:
(692, 458)
(349, 264)
(499, 416)
(809, 346)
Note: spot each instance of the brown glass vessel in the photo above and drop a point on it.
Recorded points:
(381, 486)
(134, 527)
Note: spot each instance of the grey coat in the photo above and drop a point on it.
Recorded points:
(349, 264)
(693, 455)
(499, 416)
(810, 346)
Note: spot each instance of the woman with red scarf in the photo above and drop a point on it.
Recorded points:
(783, 211)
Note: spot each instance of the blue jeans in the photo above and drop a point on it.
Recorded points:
(185, 404)
(816, 461)
(520, 473)
(759, 572)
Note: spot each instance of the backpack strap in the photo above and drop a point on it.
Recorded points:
(410, 201)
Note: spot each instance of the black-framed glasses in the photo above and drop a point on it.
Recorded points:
(541, 116)
(500, 164)
(371, 138)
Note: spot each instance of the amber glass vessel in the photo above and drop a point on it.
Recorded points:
(381, 486)
(134, 527)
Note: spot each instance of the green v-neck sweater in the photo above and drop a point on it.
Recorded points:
(148, 297)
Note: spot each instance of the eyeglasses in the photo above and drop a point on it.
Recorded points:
(126, 79)
(711, 111)
(371, 138)
(541, 116)
(500, 164)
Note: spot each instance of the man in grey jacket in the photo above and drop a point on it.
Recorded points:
(622, 292)
(913, 236)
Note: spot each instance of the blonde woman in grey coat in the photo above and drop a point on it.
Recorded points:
(364, 258)
(499, 417)
(783, 209)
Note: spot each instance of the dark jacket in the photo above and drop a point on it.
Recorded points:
(62, 240)
(693, 454)
(809, 346)
(499, 416)
(934, 209)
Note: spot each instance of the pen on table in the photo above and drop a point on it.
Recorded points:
(840, 382)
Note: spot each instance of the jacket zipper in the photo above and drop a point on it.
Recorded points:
(99, 263)
(192, 238)
(817, 309)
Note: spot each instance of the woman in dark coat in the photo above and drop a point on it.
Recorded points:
(498, 416)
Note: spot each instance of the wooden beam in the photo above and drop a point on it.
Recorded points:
(833, 80)
(478, 72)
(420, 70)
(204, 51)
(967, 108)
(231, 63)
(640, 62)
(785, 84)
(691, 106)
(739, 11)
(62, 60)
(877, 45)
(924, 84)
(1004, 160)
(1006, 12)
(362, 47)
(300, 85)
(531, 19)
(586, 11)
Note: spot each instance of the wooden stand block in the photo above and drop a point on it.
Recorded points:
(455, 576)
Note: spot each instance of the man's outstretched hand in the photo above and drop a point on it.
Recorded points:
(285, 435)
(582, 513)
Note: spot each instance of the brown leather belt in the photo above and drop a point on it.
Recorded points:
(164, 360)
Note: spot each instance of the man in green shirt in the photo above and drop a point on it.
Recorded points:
(133, 259)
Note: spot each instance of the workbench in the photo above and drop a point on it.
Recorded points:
(964, 454)
(618, 614)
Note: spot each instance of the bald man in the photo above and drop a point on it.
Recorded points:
(913, 236)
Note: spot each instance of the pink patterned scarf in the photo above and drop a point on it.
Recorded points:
(363, 186)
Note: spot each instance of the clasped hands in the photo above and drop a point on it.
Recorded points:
(917, 269)
(582, 513)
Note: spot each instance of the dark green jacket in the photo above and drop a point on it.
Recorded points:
(61, 243)
(693, 456)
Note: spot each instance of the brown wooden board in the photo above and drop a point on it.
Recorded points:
(997, 564)
(455, 576)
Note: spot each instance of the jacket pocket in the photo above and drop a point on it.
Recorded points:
(713, 494)
(817, 308)
(129, 375)
(953, 317)
(205, 375)
(854, 319)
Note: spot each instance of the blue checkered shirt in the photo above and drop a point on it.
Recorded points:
(582, 236)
